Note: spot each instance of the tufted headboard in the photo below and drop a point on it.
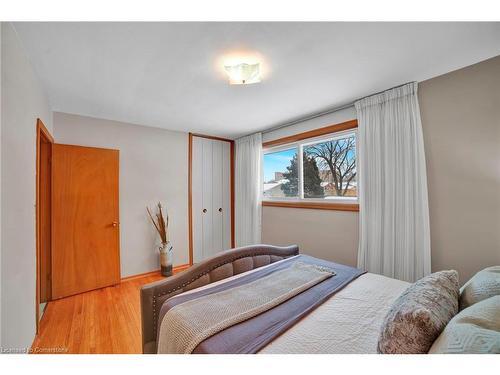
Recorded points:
(224, 264)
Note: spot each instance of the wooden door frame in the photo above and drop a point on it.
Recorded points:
(42, 134)
(190, 187)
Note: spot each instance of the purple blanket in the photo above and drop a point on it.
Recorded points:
(253, 334)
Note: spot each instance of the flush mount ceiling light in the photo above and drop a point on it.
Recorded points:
(243, 73)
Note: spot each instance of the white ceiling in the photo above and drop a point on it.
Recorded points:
(166, 74)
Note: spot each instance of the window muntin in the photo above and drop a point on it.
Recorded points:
(326, 170)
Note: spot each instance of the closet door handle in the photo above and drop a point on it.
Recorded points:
(204, 210)
(220, 209)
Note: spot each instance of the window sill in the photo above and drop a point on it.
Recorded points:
(354, 207)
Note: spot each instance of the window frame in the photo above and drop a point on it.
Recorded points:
(299, 141)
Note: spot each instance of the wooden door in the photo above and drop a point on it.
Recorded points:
(85, 252)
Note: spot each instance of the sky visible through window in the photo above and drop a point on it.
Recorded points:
(277, 162)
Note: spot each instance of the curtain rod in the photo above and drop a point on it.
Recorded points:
(326, 112)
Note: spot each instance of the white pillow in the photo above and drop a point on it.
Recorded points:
(474, 330)
(482, 285)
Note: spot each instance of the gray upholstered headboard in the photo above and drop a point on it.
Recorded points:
(218, 267)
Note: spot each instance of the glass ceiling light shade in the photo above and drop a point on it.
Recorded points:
(243, 74)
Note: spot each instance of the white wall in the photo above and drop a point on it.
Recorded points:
(461, 127)
(331, 235)
(153, 167)
(23, 101)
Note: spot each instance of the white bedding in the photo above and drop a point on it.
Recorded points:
(348, 322)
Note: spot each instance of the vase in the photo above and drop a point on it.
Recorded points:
(166, 258)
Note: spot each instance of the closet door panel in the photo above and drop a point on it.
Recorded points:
(226, 195)
(211, 197)
(217, 191)
(197, 198)
(207, 204)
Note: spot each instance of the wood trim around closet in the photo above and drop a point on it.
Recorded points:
(42, 135)
(190, 187)
(352, 124)
(190, 197)
(232, 193)
(211, 137)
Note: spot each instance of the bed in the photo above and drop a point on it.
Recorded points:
(347, 321)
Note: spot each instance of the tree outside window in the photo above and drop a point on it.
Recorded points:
(336, 160)
(312, 179)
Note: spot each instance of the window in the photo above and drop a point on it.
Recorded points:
(325, 171)
(281, 174)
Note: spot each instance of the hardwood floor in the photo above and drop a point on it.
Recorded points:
(106, 320)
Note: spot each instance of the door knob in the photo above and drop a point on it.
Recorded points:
(204, 210)
(114, 223)
(220, 209)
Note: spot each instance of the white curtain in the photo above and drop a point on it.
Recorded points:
(394, 212)
(248, 190)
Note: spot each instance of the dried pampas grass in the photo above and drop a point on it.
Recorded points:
(160, 224)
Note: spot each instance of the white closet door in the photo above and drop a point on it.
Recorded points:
(207, 209)
(211, 197)
(197, 198)
(217, 191)
(226, 195)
